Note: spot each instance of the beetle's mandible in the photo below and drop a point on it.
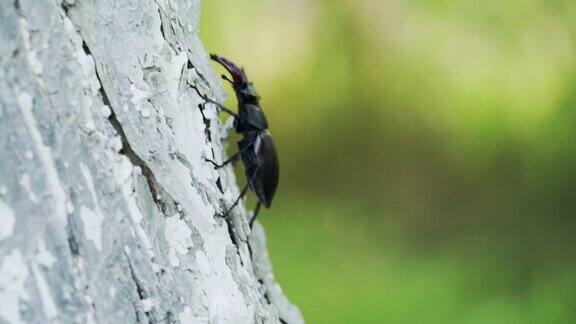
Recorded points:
(256, 148)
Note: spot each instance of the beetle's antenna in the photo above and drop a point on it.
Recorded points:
(227, 79)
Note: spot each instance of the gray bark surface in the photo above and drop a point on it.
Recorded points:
(107, 207)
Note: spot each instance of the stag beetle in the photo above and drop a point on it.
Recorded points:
(256, 149)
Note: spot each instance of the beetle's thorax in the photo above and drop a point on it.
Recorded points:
(250, 118)
(250, 114)
(246, 94)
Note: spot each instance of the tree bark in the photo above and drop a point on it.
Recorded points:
(108, 211)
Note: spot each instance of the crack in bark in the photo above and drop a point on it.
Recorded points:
(72, 241)
(201, 107)
(155, 189)
(219, 185)
(160, 11)
(206, 122)
(229, 222)
(165, 202)
(232, 235)
(266, 297)
(141, 293)
(161, 23)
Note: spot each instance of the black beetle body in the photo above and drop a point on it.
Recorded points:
(256, 149)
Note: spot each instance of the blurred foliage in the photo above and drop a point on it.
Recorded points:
(428, 153)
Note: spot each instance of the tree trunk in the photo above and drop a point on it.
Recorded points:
(108, 211)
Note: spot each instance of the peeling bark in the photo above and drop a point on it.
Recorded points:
(108, 211)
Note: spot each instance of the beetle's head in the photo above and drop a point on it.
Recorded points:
(247, 93)
(243, 88)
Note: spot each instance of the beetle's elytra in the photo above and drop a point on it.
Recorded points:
(256, 148)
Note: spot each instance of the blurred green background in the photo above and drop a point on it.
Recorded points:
(428, 154)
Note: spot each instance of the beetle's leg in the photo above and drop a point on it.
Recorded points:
(255, 213)
(242, 194)
(222, 107)
(219, 105)
(233, 158)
